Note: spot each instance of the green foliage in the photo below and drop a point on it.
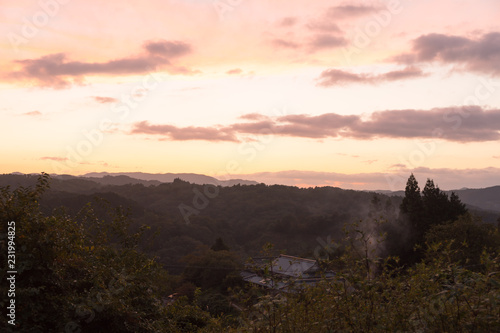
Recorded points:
(436, 295)
(214, 303)
(468, 237)
(79, 273)
(211, 269)
(186, 318)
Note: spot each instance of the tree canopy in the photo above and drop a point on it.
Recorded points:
(424, 210)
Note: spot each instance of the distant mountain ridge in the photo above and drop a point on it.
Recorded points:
(16, 179)
(484, 198)
(111, 180)
(169, 178)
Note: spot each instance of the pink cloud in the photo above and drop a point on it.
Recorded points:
(57, 71)
(234, 71)
(441, 123)
(53, 158)
(324, 26)
(322, 126)
(325, 41)
(336, 77)
(170, 49)
(253, 116)
(104, 100)
(183, 133)
(32, 113)
(398, 166)
(479, 55)
(351, 11)
(444, 123)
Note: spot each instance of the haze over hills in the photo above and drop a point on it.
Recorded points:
(483, 198)
(487, 199)
(124, 178)
(169, 177)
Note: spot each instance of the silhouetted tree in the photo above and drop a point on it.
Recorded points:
(436, 210)
(456, 207)
(412, 206)
(423, 211)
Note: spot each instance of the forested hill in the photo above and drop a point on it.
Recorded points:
(485, 198)
(185, 215)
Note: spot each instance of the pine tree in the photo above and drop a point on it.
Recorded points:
(426, 209)
(411, 212)
(436, 206)
(412, 207)
(456, 207)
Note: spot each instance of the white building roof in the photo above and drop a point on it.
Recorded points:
(293, 266)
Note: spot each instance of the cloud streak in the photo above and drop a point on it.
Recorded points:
(183, 133)
(104, 100)
(234, 71)
(32, 113)
(351, 11)
(335, 77)
(57, 71)
(53, 158)
(457, 124)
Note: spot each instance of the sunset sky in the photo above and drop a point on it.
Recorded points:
(354, 94)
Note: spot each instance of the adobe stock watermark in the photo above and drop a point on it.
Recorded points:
(223, 7)
(363, 35)
(325, 249)
(248, 151)
(34, 23)
(11, 272)
(76, 154)
(455, 118)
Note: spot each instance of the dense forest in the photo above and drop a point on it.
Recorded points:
(166, 258)
(181, 216)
